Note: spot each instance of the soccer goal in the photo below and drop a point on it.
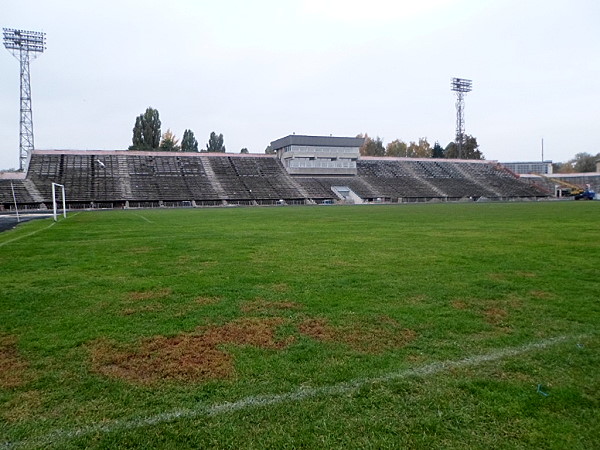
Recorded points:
(54, 203)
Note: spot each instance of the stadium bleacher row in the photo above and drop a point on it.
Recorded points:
(146, 179)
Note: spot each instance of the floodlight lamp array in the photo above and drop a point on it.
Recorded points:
(30, 41)
(461, 85)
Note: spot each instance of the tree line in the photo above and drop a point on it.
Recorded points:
(147, 136)
(420, 149)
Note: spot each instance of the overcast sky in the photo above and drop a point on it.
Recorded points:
(260, 70)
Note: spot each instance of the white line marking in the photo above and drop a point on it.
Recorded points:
(34, 232)
(60, 436)
(145, 218)
(26, 235)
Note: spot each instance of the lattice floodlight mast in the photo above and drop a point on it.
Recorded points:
(25, 45)
(461, 86)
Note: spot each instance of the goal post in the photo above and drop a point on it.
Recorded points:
(54, 203)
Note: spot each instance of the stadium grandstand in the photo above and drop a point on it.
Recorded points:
(133, 179)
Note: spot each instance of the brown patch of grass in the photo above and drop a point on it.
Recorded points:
(13, 368)
(459, 304)
(260, 305)
(142, 309)
(376, 340)
(186, 357)
(416, 299)
(361, 337)
(514, 301)
(540, 294)
(317, 329)
(526, 274)
(255, 331)
(22, 406)
(280, 287)
(149, 295)
(415, 358)
(206, 300)
(385, 319)
(497, 276)
(495, 316)
(140, 250)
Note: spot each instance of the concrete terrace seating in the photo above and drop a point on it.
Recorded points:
(25, 193)
(121, 178)
(431, 178)
(152, 178)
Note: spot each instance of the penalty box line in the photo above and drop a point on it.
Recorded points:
(304, 393)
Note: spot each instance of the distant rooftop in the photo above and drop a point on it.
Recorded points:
(316, 141)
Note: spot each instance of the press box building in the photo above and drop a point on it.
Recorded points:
(318, 155)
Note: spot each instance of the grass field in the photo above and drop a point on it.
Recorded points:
(418, 326)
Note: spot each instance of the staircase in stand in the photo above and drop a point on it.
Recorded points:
(124, 178)
(465, 173)
(214, 180)
(33, 191)
(416, 177)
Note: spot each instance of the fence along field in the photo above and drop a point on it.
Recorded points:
(422, 326)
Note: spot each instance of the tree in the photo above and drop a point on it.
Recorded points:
(470, 149)
(371, 147)
(437, 151)
(146, 131)
(422, 149)
(581, 163)
(244, 150)
(584, 162)
(396, 148)
(189, 142)
(138, 134)
(563, 167)
(215, 143)
(269, 150)
(169, 142)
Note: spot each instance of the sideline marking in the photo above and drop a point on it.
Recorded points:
(62, 435)
(25, 235)
(2, 244)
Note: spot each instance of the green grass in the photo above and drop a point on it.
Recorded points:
(394, 288)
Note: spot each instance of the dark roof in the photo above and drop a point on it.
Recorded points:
(316, 141)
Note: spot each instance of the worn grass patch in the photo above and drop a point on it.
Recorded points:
(13, 367)
(149, 295)
(203, 301)
(263, 306)
(185, 357)
(23, 406)
(495, 316)
(367, 338)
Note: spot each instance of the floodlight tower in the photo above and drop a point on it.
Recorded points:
(461, 86)
(25, 45)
